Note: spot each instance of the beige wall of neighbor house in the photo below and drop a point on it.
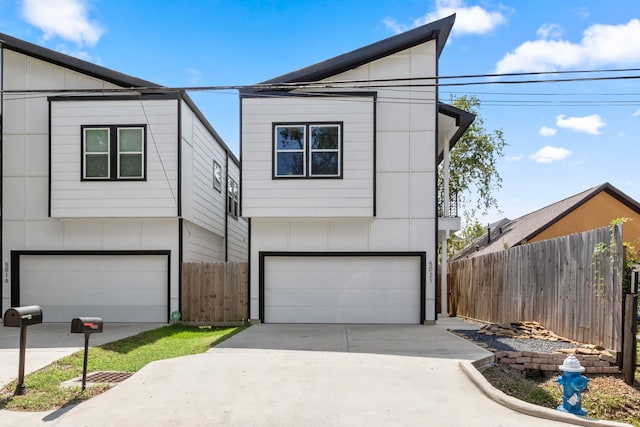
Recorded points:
(598, 211)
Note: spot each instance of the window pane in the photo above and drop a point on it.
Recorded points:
(290, 137)
(324, 137)
(131, 165)
(324, 163)
(290, 164)
(97, 166)
(130, 140)
(217, 176)
(96, 140)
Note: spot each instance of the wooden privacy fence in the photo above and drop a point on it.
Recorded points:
(215, 293)
(556, 282)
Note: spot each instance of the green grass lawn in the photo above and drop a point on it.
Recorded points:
(44, 391)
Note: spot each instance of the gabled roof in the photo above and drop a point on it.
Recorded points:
(102, 73)
(437, 30)
(512, 233)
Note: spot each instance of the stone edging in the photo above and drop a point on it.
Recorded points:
(527, 360)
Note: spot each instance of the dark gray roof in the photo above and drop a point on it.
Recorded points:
(72, 63)
(436, 30)
(508, 234)
(103, 73)
(463, 121)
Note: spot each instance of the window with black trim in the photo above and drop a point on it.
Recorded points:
(114, 152)
(233, 190)
(307, 150)
(217, 176)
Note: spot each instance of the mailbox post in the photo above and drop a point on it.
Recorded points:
(86, 326)
(21, 317)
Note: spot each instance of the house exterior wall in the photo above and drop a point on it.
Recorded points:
(57, 213)
(351, 196)
(405, 180)
(598, 211)
(237, 228)
(156, 196)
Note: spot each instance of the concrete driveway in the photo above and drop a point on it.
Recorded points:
(304, 375)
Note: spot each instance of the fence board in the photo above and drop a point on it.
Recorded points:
(554, 282)
(215, 293)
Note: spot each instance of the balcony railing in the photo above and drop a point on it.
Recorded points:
(453, 205)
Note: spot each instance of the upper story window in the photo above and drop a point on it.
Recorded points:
(233, 191)
(217, 176)
(307, 150)
(113, 152)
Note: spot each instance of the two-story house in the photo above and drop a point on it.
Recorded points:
(109, 182)
(339, 175)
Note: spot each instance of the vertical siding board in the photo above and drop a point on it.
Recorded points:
(551, 282)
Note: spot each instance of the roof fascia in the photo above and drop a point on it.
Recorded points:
(84, 67)
(437, 30)
(463, 121)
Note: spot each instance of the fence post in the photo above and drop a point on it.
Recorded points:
(629, 338)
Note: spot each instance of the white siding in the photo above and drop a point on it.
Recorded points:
(405, 138)
(202, 204)
(26, 224)
(351, 196)
(237, 228)
(157, 196)
(201, 245)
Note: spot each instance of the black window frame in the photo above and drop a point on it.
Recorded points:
(113, 153)
(233, 198)
(308, 151)
(217, 184)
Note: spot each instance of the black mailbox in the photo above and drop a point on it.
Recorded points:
(86, 325)
(23, 316)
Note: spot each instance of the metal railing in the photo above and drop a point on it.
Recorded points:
(453, 205)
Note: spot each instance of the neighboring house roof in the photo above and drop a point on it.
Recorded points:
(437, 30)
(102, 73)
(507, 234)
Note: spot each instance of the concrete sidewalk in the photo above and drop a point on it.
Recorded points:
(294, 375)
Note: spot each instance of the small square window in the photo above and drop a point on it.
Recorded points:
(113, 152)
(307, 150)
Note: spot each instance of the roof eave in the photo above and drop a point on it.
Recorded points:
(437, 30)
(57, 58)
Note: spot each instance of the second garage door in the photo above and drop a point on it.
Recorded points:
(342, 289)
(118, 288)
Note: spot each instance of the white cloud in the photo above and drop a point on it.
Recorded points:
(66, 19)
(515, 158)
(588, 124)
(550, 31)
(601, 45)
(549, 154)
(545, 131)
(636, 113)
(469, 19)
(195, 76)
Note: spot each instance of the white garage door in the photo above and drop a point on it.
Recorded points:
(117, 288)
(342, 289)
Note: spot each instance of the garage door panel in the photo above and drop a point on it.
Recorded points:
(345, 289)
(118, 288)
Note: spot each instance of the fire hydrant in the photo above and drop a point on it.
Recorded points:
(573, 383)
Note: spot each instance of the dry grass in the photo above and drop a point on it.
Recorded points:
(608, 397)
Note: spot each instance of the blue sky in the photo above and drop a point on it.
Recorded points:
(563, 137)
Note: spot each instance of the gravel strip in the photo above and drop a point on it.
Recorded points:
(500, 343)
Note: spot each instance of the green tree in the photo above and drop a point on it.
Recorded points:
(473, 172)
(464, 237)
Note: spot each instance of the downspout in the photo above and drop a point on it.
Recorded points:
(446, 214)
(226, 213)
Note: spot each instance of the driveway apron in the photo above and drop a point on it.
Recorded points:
(305, 375)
